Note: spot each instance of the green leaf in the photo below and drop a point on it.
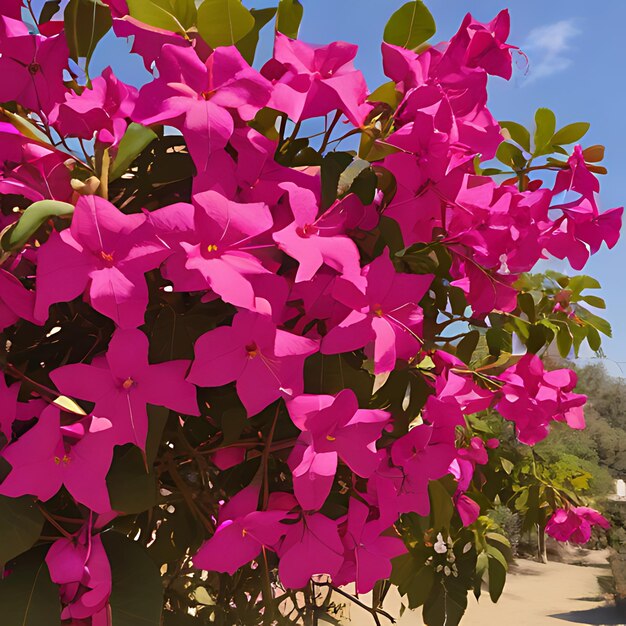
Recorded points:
(497, 576)
(20, 526)
(518, 133)
(174, 15)
(386, 93)
(564, 340)
(16, 237)
(247, 45)
(594, 154)
(49, 10)
(137, 594)
(86, 23)
(570, 133)
(411, 25)
(441, 505)
(597, 322)
(135, 140)
(545, 122)
(224, 22)
(27, 595)
(507, 466)
(25, 127)
(333, 165)
(594, 301)
(465, 348)
(593, 338)
(289, 17)
(579, 283)
(510, 155)
(132, 488)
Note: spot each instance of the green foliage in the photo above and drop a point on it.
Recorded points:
(224, 22)
(174, 15)
(86, 23)
(411, 25)
(135, 140)
(21, 523)
(289, 17)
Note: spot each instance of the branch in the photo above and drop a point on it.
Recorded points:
(374, 612)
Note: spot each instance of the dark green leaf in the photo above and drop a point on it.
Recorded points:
(570, 133)
(20, 526)
(174, 15)
(595, 301)
(247, 45)
(86, 23)
(27, 595)
(133, 143)
(594, 320)
(411, 25)
(518, 133)
(593, 338)
(465, 348)
(289, 17)
(137, 594)
(564, 340)
(224, 22)
(545, 125)
(49, 10)
(497, 577)
(31, 220)
(132, 488)
(333, 164)
(441, 505)
(576, 284)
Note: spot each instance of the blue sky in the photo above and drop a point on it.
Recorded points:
(576, 51)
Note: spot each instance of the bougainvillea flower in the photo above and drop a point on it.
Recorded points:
(197, 98)
(310, 81)
(16, 302)
(368, 552)
(48, 456)
(333, 428)
(218, 250)
(532, 397)
(123, 383)
(241, 534)
(265, 362)
(101, 110)
(32, 66)
(8, 406)
(317, 240)
(311, 546)
(12, 9)
(81, 568)
(575, 524)
(386, 315)
(104, 252)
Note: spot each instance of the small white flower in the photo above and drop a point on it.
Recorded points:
(441, 547)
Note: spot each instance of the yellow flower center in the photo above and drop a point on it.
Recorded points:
(128, 383)
(330, 438)
(211, 248)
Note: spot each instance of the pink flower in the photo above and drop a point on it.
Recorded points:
(105, 252)
(200, 98)
(532, 397)
(575, 524)
(241, 534)
(368, 552)
(48, 456)
(101, 110)
(265, 362)
(317, 240)
(333, 428)
(310, 81)
(81, 568)
(217, 250)
(32, 67)
(124, 382)
(12, 9)
(386, 315)
(16, 302)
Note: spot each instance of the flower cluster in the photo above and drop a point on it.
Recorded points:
(293, 277)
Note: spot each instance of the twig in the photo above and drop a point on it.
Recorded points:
(374, 612)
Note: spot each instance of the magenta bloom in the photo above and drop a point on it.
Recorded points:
(31, 66)
(333, 428)
(48, 456)
(241, 533)
(16, 302)
(314, 241)
(102, 110)
(12, 9)
(217, 251)
(311, 546)
(200, 98)
(368, 552)
(575, 524)
(265, 362)
(123, 383)
(532, 397)
(81, 568)
(104, 252)
(386, 315)
(310, 81)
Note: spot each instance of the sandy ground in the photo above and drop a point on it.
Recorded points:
(554, 594)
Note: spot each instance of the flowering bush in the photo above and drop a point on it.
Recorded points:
(228, 386)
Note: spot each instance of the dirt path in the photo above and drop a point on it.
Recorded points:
(554, 594)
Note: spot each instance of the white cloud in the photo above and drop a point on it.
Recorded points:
(548, 48)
